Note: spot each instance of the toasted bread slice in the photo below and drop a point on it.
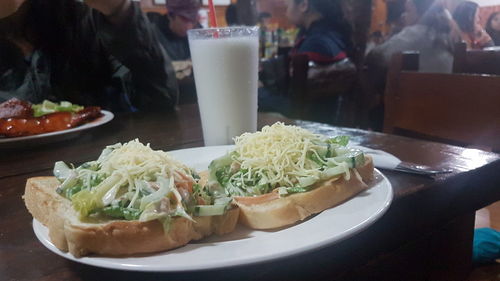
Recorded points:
(117, 237)
(274, 211)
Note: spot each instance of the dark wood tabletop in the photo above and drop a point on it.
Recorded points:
(425, 235)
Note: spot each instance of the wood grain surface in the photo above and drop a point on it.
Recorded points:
(425, 235)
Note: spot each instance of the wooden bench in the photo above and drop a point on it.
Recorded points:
(460, 109)
(475, 61)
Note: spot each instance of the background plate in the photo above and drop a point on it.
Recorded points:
(245, 246)
(56, 136)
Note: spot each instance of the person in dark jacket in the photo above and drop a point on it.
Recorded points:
(171, 30)
(325, 35)
(182, 16)
(100, 52)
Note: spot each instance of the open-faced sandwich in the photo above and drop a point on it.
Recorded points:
(131, 200)
(284, 174)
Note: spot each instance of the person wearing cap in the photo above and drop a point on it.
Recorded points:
(91, 52)
(182, 15)
(171, 30)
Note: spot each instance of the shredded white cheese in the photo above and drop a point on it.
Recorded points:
(278, 153)
(134, 160)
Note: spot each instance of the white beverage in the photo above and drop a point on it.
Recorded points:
(226, 77)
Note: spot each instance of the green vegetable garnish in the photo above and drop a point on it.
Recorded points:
(288, 158)
(118, 212)
(340, 140)
(47, 107)
(134, 182)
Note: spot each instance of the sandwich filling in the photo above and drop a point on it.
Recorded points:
(286, 159)
(131, 181)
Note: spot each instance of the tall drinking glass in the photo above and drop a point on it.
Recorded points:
(225, 64)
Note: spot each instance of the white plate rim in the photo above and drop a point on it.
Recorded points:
(41, 233)
(105, 118)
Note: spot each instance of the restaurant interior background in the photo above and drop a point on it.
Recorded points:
(356, 92)
(375, 10)
(352, 90)
(277, 8)
(460, 128)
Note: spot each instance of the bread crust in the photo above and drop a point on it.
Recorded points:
(113, 238)
(296, 207)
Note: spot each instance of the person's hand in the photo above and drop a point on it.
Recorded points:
(182, 69)
(115, 10)
(482, 38)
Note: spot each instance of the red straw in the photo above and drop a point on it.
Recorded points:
(212, 17)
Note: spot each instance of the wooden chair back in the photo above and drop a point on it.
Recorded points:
(455, 108)
(311, 85)
(373, 79)
(475, 61)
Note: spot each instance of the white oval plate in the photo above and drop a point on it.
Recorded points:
(105, 118)
(244, 245)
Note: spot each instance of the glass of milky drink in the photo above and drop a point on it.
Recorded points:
(225, 64)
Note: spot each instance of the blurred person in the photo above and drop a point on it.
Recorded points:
(247, 12)
(182, 15)
(325, 34)
(171, 29)
(325, 39)
(466, 15)
(493, 27)
(231, 15)
(431, 36)
(93, 53)
(414, 10)
(403, 13)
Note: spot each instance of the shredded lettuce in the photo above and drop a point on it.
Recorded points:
(284, 157)
(72, 191)
(61, 170)
(118, 212)
(151, 213)
(132, 182)
(86, 200)
(339, 140)
(219, 168)
(166, 186)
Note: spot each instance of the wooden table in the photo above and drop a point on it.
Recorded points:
(425, 235)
